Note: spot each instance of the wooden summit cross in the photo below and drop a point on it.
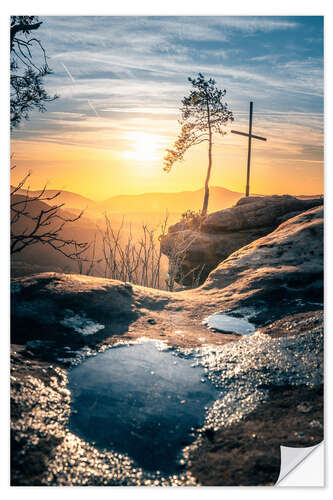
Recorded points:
(250, 136)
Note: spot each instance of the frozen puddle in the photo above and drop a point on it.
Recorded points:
(228, 323)
(140, 400)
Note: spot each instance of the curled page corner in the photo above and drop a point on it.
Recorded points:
(291, 458)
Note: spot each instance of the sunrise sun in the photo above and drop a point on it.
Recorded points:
(143, 146)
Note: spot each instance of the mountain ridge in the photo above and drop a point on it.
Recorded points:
(175, 202)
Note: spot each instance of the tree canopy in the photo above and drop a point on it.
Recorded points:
(28, 67)
(203, 113)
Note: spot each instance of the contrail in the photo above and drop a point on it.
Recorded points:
(73, 80)
(68, 72)
(92, 107)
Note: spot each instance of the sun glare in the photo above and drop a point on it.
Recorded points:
(143, 146)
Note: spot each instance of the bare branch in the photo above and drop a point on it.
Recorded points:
(45, 226)
(24, 27)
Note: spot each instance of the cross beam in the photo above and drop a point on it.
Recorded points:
(250, 136)
(247, 135)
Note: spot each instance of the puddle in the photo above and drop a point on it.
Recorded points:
(239, 376)
(228, 323)
(140, 400)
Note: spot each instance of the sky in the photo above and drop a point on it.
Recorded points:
(121, 81)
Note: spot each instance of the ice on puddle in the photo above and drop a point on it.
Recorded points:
(229, 324)
(80, 323)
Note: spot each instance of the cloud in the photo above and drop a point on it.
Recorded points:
(266, 58)
(313, 152)
(144, 110)
(117, 73)
(255, 24)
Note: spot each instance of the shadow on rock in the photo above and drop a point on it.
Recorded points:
(69, 310)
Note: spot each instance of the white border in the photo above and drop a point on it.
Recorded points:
(310, 472)
(142, 7)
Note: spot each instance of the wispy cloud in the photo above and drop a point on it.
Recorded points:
(254, 24)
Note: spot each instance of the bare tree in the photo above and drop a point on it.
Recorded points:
(33, 223)
(28, 67)
(203, 114)
(129, 259)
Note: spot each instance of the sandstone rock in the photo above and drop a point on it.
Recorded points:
(73, 309)
(194, 252)
(53, 304)
(283, 266)
(278, 274)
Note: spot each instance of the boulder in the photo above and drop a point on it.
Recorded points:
(196, 249)
(75, 310)
(280, 270)
(56, 306)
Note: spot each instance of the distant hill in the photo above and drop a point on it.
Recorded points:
(72, 200)
(148, 202)
(175, 203)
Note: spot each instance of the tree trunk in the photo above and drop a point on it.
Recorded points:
(206, 195)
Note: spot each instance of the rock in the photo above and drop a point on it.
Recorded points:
(284, 266)
(275, 275)
(73, 310)
(194, 252)
(248, 452)
(59, 306)
(256, 211)
(279, 276)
